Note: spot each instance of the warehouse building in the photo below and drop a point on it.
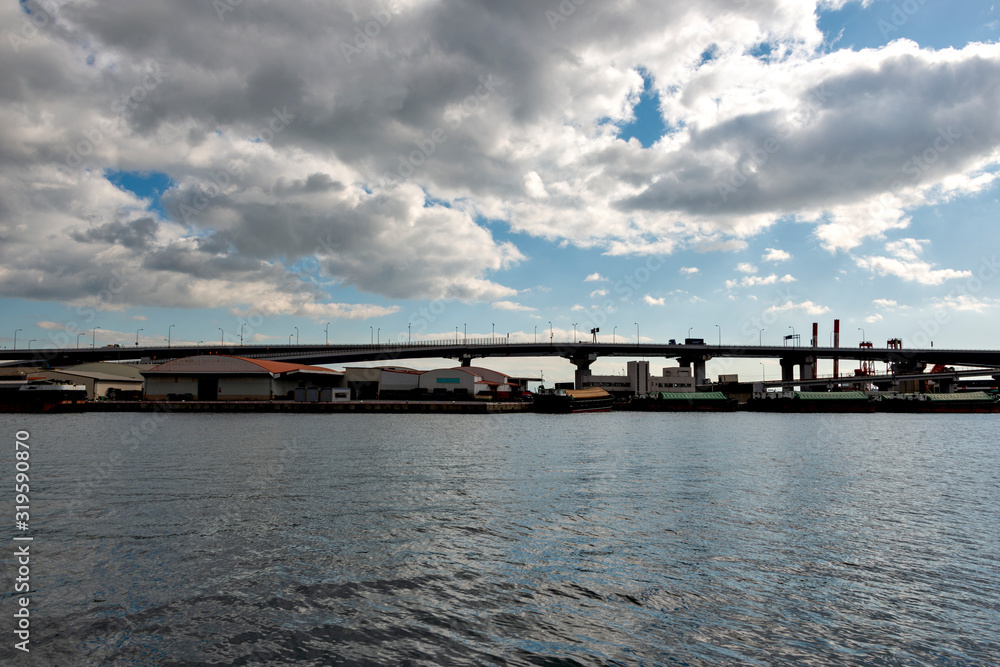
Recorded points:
(458, 383)
(99, 384)
(224, 378)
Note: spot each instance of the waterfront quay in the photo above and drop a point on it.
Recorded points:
(453, 407)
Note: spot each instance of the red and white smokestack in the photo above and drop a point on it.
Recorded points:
(836, 343)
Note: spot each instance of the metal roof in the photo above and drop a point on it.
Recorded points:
(968, 396)
(831, 395)
(219, 363)
(692, 396)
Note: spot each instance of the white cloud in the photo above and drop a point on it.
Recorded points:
(510, 305)
(756, 281)
(746, 267)
(696, 299)
(966, 302)
(395, 208)
(653, 301)
(595, 278)
(689, 270)
(907, 265)
(871, 319)
(807, 306)
(776, 255)
(888, 304)
(598, 292)
(577, 308)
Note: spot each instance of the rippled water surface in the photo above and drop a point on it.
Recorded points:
(512, 539)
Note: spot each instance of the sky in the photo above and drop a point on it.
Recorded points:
(731, 170)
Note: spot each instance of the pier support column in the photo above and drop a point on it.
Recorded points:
(582, 363)
(697, 367)
(466, 360)
(787, 374)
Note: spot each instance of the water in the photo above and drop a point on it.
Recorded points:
(749, 539)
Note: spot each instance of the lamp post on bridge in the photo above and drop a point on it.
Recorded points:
(82, 333)
(15, 339)
(760, 338)
(93, 341)
(326, 330)
(614, 331)
(637, 341)
(137, 337)
(863, 339)
(720, 334)
(296, 335)
(536, 333)
(574, 331)
(222, 336)
(168, 334)
(551, 332)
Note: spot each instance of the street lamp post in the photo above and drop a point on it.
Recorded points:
(222, 336)
(93, 341)
(862, 334)
(551, 332)
(760, 338)
(15, 338)
(574, 331)
(296, 335)
(793, 334)
(720, 334)
(82, 333)
(409, 334)
(137, 337)
(242, 324)
(30, 342)
(326, 330)
(493, 335)
(372, 330)
(637, 341)
(536, 333)
(614, 331)
(290, 338)
(378, 336)
(168, 335)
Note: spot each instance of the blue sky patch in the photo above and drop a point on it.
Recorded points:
(146, 184)
(648, 126)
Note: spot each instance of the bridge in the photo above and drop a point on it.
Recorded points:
(580, 353)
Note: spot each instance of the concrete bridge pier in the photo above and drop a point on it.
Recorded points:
(787, 374)
(582, 363)
(466, 360)
(806, 373)
(697, 367)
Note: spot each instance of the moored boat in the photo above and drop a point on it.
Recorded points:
(564, 401)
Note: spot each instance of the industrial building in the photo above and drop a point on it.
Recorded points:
(224, 378)
(638, 382)
(458, 383)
